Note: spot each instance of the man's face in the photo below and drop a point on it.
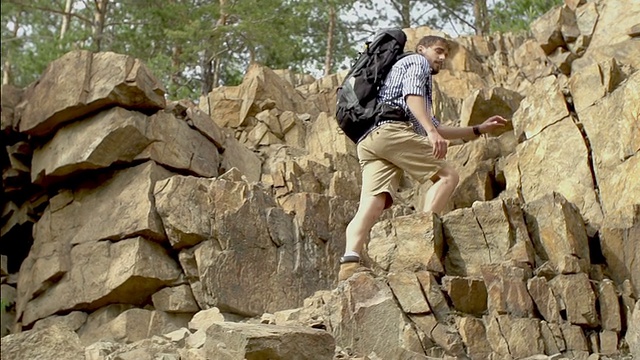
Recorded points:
(435, 54)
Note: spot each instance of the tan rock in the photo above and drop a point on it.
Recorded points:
(279, 342)
(574, 337)
(474, 336)
(552, 336)
(480, 235)
(578, 297)
(517, 338)
(547, 30)
(91, 82)
(621, 254)
(266, 238)
(557, 230)
(615, 161)
(562, 60)
(156, 347)
(261, 83)
(139, 324)
(532, 60)
(408, 243)
(202, 122)
(126, 191)
(464, 257)
(345, 185)
(574, 4)
(610, 315)
(49, 343)
(240, 157)
(297, 135)
(407, 290)
(258, 134)
(507, 290)
(435, 297)
(102, 273)
(118, 135)
(547, 154)
(599, 78)
(73, 321)
(205, 318)
(543, 106)
(353, 313)
(75, 213)
(468, 295)
(484, 103)
(569, 25)
(613, 22)
(114, 135)
(475, 162)
(608, 342)
(10, 97)
(178, 299)
(178, 146)
(324, 136)
(544, 299)
(91, 331)
(100, 350)
(223, 104)
(444, 336)
(633, 331)
(312, 214)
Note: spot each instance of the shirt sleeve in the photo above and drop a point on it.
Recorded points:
(416, 77)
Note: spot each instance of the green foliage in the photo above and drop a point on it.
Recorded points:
(517, 15)
(193, 46)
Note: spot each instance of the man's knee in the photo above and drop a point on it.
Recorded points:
(449, 175)
(373, 206)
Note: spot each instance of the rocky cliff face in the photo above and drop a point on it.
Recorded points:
(133, 227)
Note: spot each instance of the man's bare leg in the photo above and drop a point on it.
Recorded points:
(438, 194)
(369, 211)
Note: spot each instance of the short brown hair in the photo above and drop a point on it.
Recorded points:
(430, 40)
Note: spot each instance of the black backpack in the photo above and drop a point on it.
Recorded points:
(357, 109)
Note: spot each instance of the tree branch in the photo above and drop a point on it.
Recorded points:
(453, 13)
(55, 11)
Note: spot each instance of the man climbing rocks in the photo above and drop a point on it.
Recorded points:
(417, 147)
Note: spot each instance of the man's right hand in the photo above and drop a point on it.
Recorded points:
(439, 144)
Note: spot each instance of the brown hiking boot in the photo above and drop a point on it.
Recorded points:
(350, 265)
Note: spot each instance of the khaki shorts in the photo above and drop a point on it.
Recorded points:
(388, 151)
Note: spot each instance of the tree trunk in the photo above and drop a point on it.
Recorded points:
(99, 16)
(176, 66)
(213, 66)
(66, 19)
(406, 14)
(208, 76)
(328, 57)
(6, 73)
(481, 17)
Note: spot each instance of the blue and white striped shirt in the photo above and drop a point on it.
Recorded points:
(411, 75)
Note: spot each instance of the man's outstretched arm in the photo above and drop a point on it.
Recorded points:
(467, 133)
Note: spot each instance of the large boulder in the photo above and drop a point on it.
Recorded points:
(542, 164)
(49, 343)
(616, 163)
(101, 273)
(247, 341)
(120, 136)
(81, 82)
(268, 238)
